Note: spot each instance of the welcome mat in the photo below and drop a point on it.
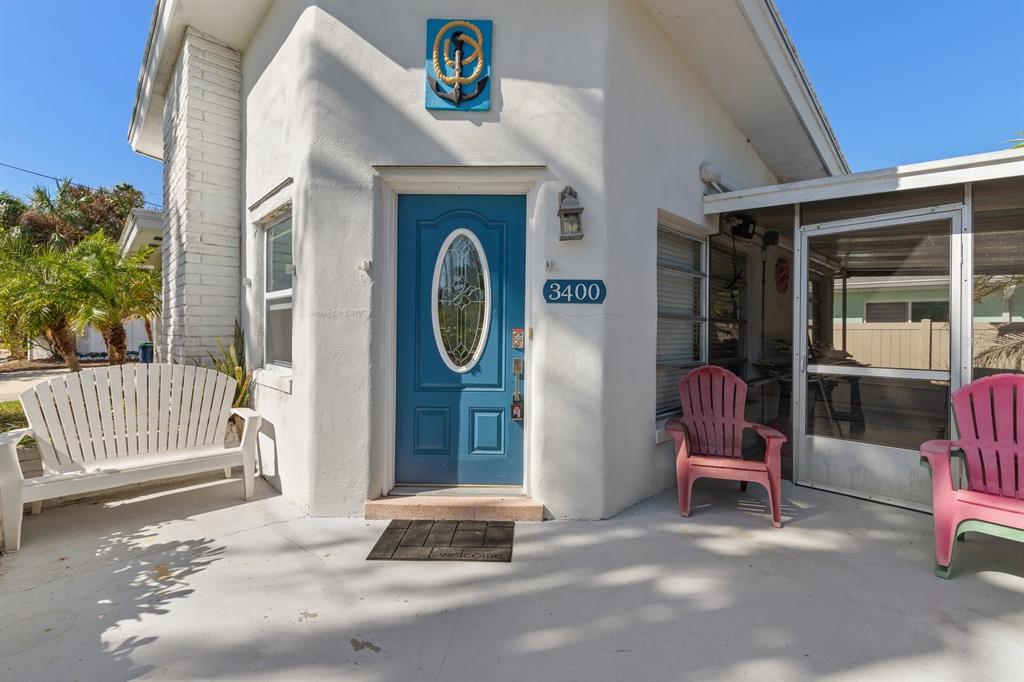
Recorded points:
(406, 540)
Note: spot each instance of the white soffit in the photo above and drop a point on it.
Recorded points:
(232, 22)
(142, 228)
(976, 168)
(742, 52)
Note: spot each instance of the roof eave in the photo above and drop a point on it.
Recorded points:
(766, 22)
(975, 168)
(139, 229)
(232, 21)
(155, 42)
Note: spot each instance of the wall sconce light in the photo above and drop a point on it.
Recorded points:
(570, 215)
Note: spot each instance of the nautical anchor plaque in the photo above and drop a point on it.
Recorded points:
(458, 64)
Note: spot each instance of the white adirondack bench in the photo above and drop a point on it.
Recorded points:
(113, 426)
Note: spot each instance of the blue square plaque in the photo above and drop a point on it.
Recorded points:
(458, 64)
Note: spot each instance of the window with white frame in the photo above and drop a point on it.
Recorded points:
(682, 284)
(278, 293)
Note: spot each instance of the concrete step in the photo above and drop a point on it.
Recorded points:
(454, 508)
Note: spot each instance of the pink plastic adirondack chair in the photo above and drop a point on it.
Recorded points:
(990, 419)
(709, 437)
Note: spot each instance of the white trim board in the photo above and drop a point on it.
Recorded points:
(511, 179)
(777, 45)
(979, 167)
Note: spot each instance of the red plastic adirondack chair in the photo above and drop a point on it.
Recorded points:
(990, 419)
(709, 437)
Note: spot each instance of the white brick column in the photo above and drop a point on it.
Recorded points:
(202, 196)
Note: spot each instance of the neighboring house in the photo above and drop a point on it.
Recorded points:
(143, 229)
(889, 317)
(379, 193)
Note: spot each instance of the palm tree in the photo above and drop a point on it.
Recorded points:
(54, 219)
(35, 295)
(11, 209)
(71, 213)
(111, 288)
(51, 281)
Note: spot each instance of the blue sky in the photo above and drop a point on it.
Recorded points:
(901, 82)
(910, 80)
(67, 82)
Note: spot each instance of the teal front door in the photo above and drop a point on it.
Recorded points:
(461, 272)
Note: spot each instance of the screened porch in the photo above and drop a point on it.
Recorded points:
(858, 303)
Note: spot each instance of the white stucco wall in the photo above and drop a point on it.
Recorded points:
(278, 132)
(661, 122)
(593, 91)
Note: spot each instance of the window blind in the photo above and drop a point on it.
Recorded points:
(681, 282)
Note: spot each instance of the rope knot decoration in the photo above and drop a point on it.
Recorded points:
(476, 41)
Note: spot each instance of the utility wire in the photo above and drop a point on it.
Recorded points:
(76, 184)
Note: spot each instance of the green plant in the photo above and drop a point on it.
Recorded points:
(12, 417)
(11, 209)
(61, 269)
(37, 297)
(110, 288)
(71, 213)
(231, 361)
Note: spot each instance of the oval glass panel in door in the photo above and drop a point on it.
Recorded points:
(461, 305)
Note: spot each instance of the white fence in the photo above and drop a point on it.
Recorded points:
(910, 345)
(91, 342)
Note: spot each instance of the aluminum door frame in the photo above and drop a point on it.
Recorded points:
(960, 319)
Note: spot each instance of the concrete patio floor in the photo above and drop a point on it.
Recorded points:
(198, 584)
(13, 383)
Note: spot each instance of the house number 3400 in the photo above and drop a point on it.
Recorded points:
(574, 291)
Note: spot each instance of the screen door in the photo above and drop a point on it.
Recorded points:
(878, 320)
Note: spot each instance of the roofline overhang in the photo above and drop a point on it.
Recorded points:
(137, 225)
(762, 15)
(778, 48)
(156, 40)
(957, 170)
(170, 19)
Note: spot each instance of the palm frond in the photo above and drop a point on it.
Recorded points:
(1006, 352)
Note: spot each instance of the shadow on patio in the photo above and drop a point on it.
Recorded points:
(198, 584)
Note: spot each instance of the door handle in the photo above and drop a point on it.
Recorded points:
(517, 395)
